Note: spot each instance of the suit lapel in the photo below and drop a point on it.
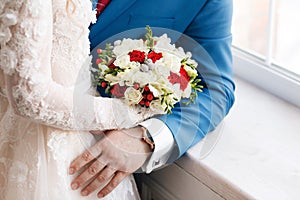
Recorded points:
(113, 10)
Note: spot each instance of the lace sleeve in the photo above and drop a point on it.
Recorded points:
(32, 92)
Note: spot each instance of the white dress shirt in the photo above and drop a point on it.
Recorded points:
(164, 144)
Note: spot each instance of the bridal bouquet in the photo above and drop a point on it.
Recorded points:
(151, 73)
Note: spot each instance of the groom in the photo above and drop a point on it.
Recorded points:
(209, 23)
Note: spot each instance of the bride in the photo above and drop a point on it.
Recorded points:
(43, 105)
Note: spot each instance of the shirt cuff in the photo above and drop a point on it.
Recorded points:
(164, 144)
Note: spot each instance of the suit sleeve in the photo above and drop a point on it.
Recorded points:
(211, 29)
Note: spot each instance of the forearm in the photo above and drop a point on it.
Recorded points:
(31, 84)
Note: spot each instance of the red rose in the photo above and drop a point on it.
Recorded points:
(154, 56)
(137, 56)
(118, 91)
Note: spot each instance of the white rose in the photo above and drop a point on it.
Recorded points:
(132, 96)
(122, 61)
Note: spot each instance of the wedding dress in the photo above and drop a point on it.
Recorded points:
(44, 100)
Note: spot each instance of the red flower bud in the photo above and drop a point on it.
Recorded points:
(146, 88)
(98, 61)
(136, 86)
(103, 84)
(99, 51)
(112, 66)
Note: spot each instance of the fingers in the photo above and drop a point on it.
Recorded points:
(99, 181)
(113, 183)
(85, 158)
(88, 174)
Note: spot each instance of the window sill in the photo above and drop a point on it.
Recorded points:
(254, 153)
(275, 80)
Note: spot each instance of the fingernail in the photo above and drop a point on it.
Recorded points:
(100, 195)
(71, 170)
(84, 193)
(74, 186)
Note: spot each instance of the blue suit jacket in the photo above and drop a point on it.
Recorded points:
(206, 21)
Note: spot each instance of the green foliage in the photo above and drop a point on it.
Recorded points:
(149, 38)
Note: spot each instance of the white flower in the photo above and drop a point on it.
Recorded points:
(102, 67)
(117, 42)
(128, 45)
(156, 89)
(122, 61)
(187, 92)
(132, 96)
(172, 61)
(190, 71)
(143, 78)
(188, 54)
(113, 79)
(163, 43)
(177, 92)
(157, 107)
(162, 71)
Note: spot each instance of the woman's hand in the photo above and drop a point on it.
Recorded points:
(118, 154)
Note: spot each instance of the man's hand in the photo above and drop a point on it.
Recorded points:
(118, 154)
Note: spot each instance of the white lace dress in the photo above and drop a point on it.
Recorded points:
(44, 73)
